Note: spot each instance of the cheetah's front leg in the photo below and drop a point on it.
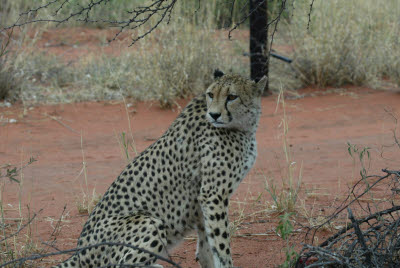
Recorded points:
(215, 212)
(203, 251)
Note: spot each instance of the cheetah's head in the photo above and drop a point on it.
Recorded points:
(234, 101)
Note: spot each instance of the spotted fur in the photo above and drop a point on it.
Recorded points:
(180, 183)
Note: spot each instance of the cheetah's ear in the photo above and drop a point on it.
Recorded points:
(218, 73)
(261, 85)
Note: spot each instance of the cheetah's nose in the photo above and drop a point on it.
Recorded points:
(215, 115)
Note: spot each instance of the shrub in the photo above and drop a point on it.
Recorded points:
(175, 61)
(348, 42)
(8, 82)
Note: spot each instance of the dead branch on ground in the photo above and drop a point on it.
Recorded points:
(372, 241)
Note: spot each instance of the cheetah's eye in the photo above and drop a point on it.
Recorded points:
(232, 97)
(210, 95)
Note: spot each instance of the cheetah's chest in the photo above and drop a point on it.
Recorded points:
(249, 158)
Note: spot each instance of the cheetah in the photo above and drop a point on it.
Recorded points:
(180, 183)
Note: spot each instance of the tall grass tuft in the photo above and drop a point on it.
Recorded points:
(348, 42)
(9, 84)
(17, 232)
(285, 196)
(181, 63)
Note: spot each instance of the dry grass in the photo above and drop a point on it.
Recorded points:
(394, 73)
(89, 199)
(219, 12)
(348, 42)
(176, 61)
(286, 195)
(8, 84)
(17, 222)
(112, 10)
(8, 81)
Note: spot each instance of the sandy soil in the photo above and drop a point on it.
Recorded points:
(321, 122)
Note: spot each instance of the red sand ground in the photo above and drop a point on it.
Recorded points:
(321, 123)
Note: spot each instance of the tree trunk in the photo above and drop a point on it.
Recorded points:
(258, 41)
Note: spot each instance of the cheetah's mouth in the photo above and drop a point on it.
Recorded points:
(218, 123)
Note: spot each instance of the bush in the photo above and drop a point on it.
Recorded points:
(175, 61)
(9, 85)
(348, 42)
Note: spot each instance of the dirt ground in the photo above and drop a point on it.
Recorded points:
(321, 122)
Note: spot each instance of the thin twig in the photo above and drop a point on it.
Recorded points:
(61, 123)
(309, 15)
(244, 19)
(366, 219)
(21, 227)
(374, 242)
(342, 207)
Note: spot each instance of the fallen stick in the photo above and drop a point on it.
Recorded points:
(61, 123)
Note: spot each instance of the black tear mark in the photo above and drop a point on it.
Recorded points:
(229, 113)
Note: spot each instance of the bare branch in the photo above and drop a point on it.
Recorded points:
(138, 17)
(372, 241)
(244, 18)
(360, 235)
(309, 14)
(276, 21)
(344, 206)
